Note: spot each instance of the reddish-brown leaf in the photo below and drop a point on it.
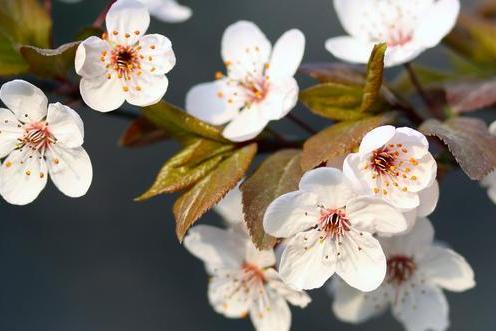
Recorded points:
(142, 132)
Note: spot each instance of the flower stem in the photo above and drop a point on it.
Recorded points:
(418, 86)
(302, 124)
(100, 19)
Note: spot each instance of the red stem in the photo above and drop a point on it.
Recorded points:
(100, 19)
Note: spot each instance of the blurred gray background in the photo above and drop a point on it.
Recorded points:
(103, 262)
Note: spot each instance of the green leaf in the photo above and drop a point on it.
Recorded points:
(50, 62)
(11, 62)
(335, 101)
(278, 174)
(373, 81)
(470, 142)
(190, 206)
(187, 167)
(341, 73)
(179, 124)
(142, 132)
(426, 76)
(339, 140)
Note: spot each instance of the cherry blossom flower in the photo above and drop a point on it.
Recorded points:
(408, 27)
(394, 164)
(259, 84)
(243, 281)
(490, 180)
(169, 11)
(330, 230)
(126, 65)
(38, 139)
(417, 271)
(230, 208)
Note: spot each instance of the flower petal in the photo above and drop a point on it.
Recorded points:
(291, 213)
(66, 125)
(226, 296)
(70, 170)
(373, 215)
(102, 94)
(270, 312)
(350, 49)
(377, 138)
(428, 200)
(437, 22)
(447, 269)
(209, 102)
(402, 54)
(231, 207)
(414, 243)
(261, 258)
(287, 55)
(350, 14)
(216, 247)
(10, 132)
(159, 58)
(302, 265)
(23, 176)
(361, 262)
(88, 62)
(247, 125)
(490, 182)
(168, 11)
(146, 90)
(245, 49)
(296, 298)
(127, 21)
(282, 97)
(332, 187)
(353, 306)
(25, 100)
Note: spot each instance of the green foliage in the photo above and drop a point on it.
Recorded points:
(50, 62)
(280, 173)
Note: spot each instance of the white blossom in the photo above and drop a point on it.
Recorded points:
(417, 272)
(259, 84)
(330, 230)
(169, 11)
(243, 281)
(490, 180)
(126, 65)
(38, 139)
(393, 164)
(408, 27)
(231, 207)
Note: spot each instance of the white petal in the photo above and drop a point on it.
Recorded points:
(226, 296)
(422, 307)
(25, 100)
(261, 258)
(377, 138)
(70, 170)
(428, 200)
(282, 97)
(332, 187)
(287, 55)
(245, 48)
(209, 102)
(130, 19)
(270, 313)
(490, 182)
(66, 125)
(350, 49)
(447, 269)
(296, 298)
(362, 263)
(375, 215)
(247, 125)
(23, 176)
(291, 213)
(414, 243)
(350, 15)
(146, 90)
(88, 57)
(10, 132)
(102, 94)
(402, 54)
(302, 263)
(437, 22)
(231, 206)
(158, 55)
(168, 11)
(492, 128)
(216, 247)
(353, 306)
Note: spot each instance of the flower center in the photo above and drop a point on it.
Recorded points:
(398, 38)
(400, 269)
(255, 90)
(252, 273)
(37, 137)
(333, 223)
(125, 60)
(383, 161)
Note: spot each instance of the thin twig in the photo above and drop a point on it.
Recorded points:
(103, 14)
(418, 86)
(128, 114)
(302, 124)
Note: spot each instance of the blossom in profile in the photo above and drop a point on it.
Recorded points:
(126, 65)
(490, 180)
(417, 271)
(258, 87)
(243, 281)
(408, 27)
(394, 164)
(38, 139)
(330, 230)
(169, 11)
